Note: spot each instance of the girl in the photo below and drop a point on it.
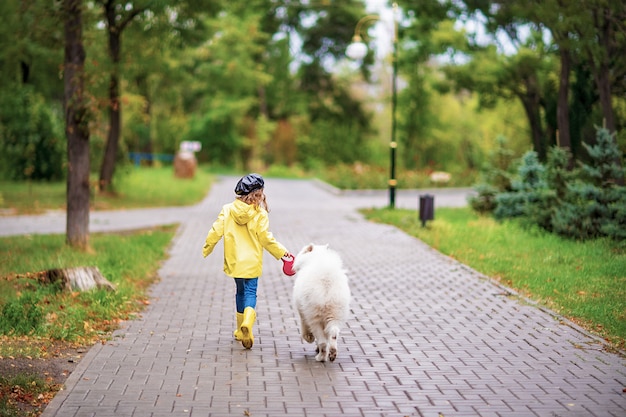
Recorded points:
(244, 224)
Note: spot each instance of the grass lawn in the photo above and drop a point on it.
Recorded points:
(42, 325)
(134, 188)
(44, 312)
(583, 281)
(129, 260)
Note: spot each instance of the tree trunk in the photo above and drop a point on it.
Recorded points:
(531, 100)
(116, 22)
(110, 153)
(145, 143)
(603, 84)
(263, 102)
(562, 110)
(76, 128)
(602, 76)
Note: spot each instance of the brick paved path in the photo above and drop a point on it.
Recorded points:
(428, 336)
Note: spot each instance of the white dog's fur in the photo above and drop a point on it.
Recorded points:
(321, 296)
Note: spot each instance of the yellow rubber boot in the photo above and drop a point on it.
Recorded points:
(237, 332)
(247, 338)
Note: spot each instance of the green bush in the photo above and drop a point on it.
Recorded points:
(558, 174)
(500, 166)
(220, 143)
(615, 228)
(495, 178)
(583, 203)
(331, 142)
(580, 216)
(32, 144)
(485, 199)
(593, 204)
(526, 191)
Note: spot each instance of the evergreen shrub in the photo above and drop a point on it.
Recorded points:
(583, 203)
(496, 175)
(484, 202)
(526, 191)
(594, 203)
(32, 143)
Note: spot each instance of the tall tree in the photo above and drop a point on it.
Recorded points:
(31, 46)
(118, 14)
(601, 32)
(76, 127)
(417, 43)
(339, 123)
(586, 36)
(557, 16)
(523, 71)
(183, 18)
(589, 32)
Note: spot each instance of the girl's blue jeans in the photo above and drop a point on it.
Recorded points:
(246, 293)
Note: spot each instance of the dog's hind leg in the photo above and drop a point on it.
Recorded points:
(307, 334)
(333, 335)
(322, 343)
(322, 352)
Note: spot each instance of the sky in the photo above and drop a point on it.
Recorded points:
(381, 30)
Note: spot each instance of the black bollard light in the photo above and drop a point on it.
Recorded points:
(427, 208)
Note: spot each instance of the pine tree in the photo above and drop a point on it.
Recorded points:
(594, 204)
(558, 174)
(496, 178)
(549, 199)
(603, 169)
(526, 190)
(615, 228)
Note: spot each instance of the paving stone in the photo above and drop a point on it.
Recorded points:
(427, 336)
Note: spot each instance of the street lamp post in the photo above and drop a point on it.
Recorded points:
(357, 51)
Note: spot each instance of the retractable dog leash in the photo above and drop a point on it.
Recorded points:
(288, 265)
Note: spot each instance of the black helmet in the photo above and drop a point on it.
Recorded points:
(249, 183)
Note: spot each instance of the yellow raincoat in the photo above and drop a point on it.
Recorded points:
(245, 229)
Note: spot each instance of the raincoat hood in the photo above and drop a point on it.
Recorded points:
(242, 212)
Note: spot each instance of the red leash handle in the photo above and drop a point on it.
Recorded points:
(288, 265)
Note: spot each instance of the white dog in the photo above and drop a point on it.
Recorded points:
(321, 296)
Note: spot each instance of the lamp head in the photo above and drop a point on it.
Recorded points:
(357, 49)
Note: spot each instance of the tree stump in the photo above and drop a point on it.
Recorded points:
(82, 278)
(185, 165)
